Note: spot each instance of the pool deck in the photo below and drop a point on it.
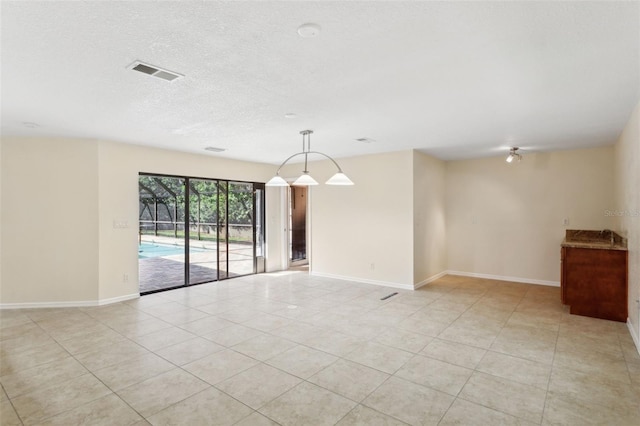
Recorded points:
(162, 272)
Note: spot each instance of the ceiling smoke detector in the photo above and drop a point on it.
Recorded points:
(154, 71)
(309, 30)
(214, 149)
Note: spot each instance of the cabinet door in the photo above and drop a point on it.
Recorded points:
(596, 283)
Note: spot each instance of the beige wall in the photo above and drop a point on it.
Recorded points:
(507, 220)
(85, 188)
(365, 231)
(409, 216)
(627, 204)
(429, 232)
(49, 221)
(118, 201)
(0, 219)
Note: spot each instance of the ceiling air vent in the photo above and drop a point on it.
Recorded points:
(214, 149)
(154, 71)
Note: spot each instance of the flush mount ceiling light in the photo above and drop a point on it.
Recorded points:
(305, 178)
(513, 155)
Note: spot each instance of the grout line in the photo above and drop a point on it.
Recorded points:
(486, 290)
(13, 407)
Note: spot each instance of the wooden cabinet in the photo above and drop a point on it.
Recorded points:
(594, 282)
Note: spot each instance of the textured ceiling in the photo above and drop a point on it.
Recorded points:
(453, 79)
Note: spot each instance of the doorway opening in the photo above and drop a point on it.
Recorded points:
(298, 218)
(196, 230)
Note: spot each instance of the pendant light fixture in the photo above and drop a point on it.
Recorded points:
(305, 178)
(513, 155)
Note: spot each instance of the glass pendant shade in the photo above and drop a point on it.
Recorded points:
(339, 179)
(277, 181)
(305, 179)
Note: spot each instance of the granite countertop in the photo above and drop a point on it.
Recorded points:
(606, 239)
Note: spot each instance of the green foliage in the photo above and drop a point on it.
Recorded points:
(208, 200)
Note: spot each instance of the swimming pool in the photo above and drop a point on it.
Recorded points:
(147, 250)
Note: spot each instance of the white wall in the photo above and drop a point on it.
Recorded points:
(365, 231)
(507, 219)
(627, 203)
(82, 187)
(429, 231)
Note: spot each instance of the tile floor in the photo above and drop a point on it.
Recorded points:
(291, 349)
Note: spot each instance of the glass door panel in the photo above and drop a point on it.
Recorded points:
(223, 231)
(161, 247)
(203, 231)
(241, 229)
(259, 228)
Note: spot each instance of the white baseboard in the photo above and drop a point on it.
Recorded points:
(363, 280)
(75, 304)
(88, 303)
(634, 334)
(118, 299)
(32, 305)
(430, 279)
(503, 278)
(437, 276)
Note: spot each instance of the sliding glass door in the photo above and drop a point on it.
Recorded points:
(195, 230)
